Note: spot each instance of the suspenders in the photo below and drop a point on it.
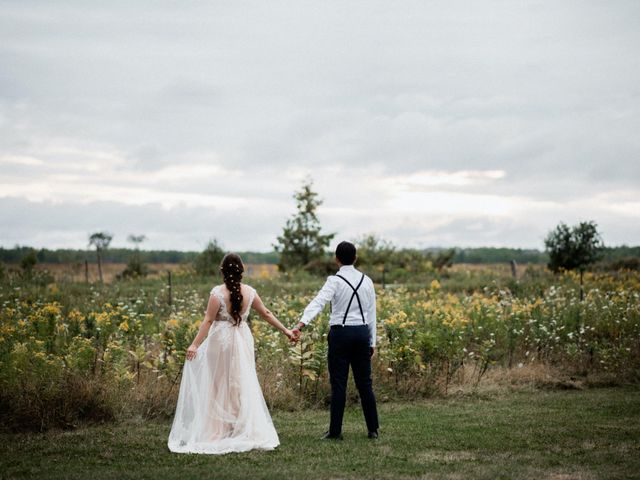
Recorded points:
(354, 294)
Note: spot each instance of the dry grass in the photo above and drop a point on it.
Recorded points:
(520, 378)
(75, 272)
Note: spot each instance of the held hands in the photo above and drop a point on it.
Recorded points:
(291, 336)
(297, 331)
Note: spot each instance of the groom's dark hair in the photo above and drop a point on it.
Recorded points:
(346, 253)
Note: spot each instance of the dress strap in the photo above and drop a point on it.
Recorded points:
(223, 311)
(216, 291)
(252, 296)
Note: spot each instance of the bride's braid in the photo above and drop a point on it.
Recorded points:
(232, 269)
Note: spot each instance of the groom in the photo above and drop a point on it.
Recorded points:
(352, 337)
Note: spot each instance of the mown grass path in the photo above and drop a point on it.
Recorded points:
(539, 434)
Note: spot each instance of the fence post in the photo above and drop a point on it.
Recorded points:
(514, 272)
(170, 288)
(86, 271)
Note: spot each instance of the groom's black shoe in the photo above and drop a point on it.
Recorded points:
(327, 436)
(373, 435)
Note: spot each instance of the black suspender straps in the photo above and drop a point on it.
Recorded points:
(354, 294)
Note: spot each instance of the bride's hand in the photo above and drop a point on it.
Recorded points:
(290, 335)
(191, 352)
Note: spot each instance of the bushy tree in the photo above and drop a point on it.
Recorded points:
(412, 261)
(443, 259)
(28, 262)
(208, 262)
(301, 241)
(574, 248)
(376, 255)
(374, 251)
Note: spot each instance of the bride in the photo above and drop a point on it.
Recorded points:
(220, 405)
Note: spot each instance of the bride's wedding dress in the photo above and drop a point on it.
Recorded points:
(221, 407)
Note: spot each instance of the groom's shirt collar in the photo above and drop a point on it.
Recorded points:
(346, 267)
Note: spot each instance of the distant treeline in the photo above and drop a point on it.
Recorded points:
(122, 255)
(499, 255)
(523, 256)
(119, 255)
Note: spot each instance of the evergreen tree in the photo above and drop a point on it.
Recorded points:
(301, 241)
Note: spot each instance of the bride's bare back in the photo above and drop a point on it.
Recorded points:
(246, 297)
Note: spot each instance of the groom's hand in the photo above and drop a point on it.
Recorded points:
(297, 331)
(372, 350)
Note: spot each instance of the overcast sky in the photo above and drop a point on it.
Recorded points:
(429, 123)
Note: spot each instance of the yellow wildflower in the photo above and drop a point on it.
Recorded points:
(51, 309)
(102, 319)
(172, 323)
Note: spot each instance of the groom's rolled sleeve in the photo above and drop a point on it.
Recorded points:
(372, 318)
(316, 305)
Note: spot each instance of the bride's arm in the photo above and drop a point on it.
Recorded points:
(209, 316)
(265, 313)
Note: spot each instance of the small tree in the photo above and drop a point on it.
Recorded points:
(101, 241)
(208, 262)
(135, 267)
(301, 241)
(443, 259)
(136, 240)
(574, 248)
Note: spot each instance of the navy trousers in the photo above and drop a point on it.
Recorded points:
(350, 346)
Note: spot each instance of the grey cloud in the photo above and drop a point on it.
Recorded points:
(547, 92)
(69, 224)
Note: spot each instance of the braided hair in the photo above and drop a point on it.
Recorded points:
(232, 269)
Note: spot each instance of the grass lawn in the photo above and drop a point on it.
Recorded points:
(538, 434)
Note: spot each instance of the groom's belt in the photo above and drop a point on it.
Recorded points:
(360, 325)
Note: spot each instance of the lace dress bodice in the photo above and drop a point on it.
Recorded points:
(223, 312)
(224, 324)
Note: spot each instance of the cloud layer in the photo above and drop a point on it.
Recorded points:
(429, 123)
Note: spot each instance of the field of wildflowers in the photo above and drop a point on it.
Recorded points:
(72, 351)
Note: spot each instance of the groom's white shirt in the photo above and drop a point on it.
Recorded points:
(336, 291)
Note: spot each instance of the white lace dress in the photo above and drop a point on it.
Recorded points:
(221, 407)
